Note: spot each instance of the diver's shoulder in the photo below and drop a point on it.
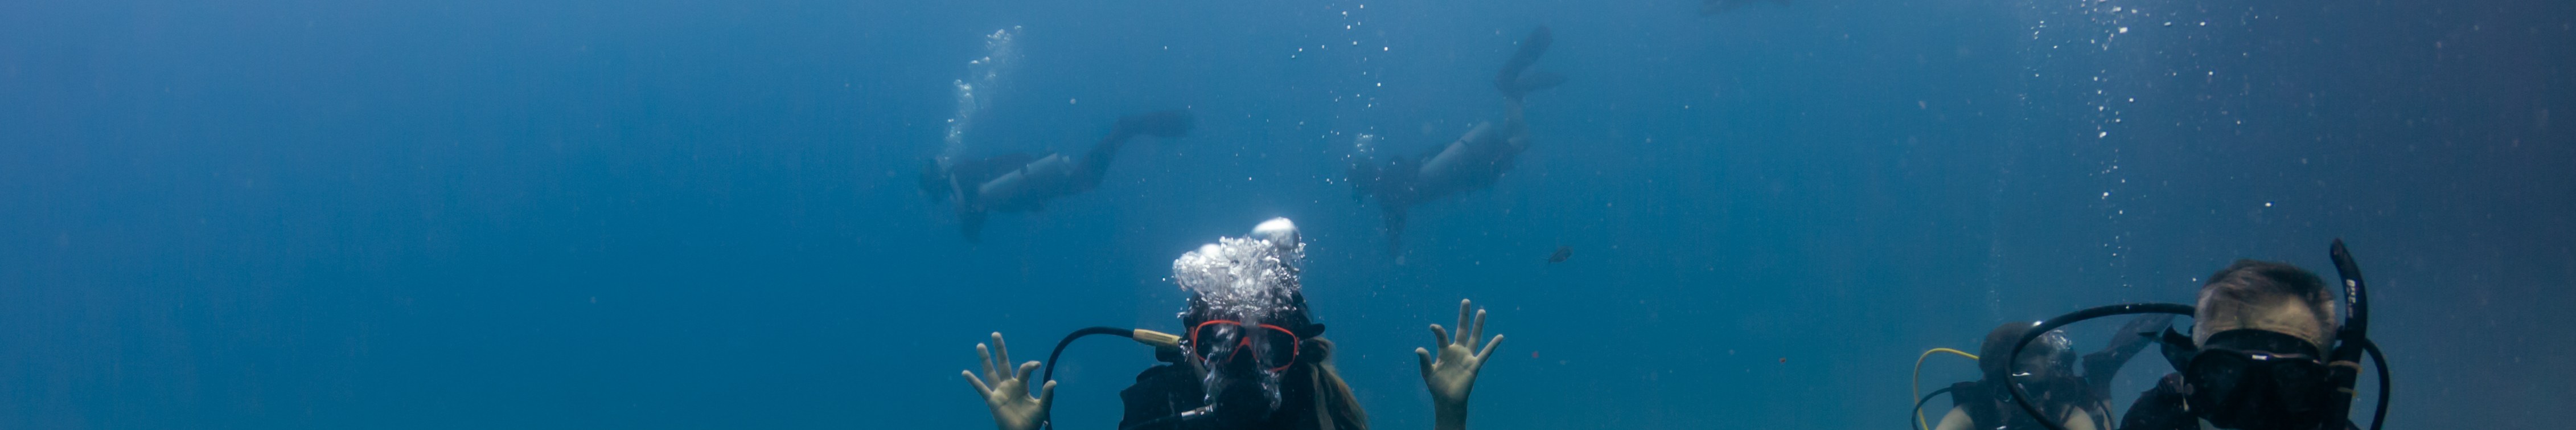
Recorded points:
(2160, 408)
(1163, 372)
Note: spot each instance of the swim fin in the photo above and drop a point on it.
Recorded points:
(2126, 343)
(1509, 79)
(1538, 81)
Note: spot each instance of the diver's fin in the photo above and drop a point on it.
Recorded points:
(1169, 123)
(1509, 79)
(2134, 336)
(1538, 81)
(1532, 46)
(2131, 338)
(2176, 347)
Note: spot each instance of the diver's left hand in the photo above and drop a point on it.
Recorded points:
(1453, 374)
(1008, 393)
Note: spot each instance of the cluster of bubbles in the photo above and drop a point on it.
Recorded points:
(1349, 40)
(1254, 275)
(982, 73)
(2080, 36)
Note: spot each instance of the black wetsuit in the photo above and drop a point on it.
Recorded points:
(2161, 408)
(2165, 408)
(1168, 389)
(1988, 407)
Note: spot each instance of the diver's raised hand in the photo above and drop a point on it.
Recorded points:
(1008, 394)
(1452, 375)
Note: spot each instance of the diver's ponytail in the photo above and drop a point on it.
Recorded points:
(1332, 395)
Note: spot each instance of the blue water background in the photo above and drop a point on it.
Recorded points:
(701, 214)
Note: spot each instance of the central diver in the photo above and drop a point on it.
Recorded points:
(1250, 355)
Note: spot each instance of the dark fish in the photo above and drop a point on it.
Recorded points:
(1562, 253)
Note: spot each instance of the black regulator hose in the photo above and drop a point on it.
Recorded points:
(1078, 334)
(1162, 343)
(2012, 365)
(1068, 341)
(2380, 360)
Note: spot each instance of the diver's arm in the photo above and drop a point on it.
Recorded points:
(2079, 420)
(1453, 374)
(1008, 394)
(1957, 419)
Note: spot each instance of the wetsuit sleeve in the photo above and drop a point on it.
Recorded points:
(2161, 408)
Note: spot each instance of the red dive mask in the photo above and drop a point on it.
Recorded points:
(1220, 341)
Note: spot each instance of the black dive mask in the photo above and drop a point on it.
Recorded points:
(2256, 379)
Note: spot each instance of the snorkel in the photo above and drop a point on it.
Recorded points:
(2343, 362)
(2354, 339)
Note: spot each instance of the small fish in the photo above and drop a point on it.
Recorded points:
(1562, 253)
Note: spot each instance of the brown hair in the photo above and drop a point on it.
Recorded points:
(1337, 408)
(2252, 294)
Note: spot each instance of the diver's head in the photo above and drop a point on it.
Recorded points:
(1246, 326)
(2267, 296)
(2261, 330)
(2050, 356)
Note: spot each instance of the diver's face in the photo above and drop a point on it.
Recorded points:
(2037, 365)
(1240, 364)
(1243, 348)
(2259, 380)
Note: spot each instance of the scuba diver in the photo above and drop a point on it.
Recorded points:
(2074, 400)
(1472, 162)
(1251, 357)
(2264, 353)
(1021, 182)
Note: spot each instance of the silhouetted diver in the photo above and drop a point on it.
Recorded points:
(1474, 161)
(1021, 182)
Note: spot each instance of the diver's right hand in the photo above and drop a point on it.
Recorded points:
(1008, 394)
